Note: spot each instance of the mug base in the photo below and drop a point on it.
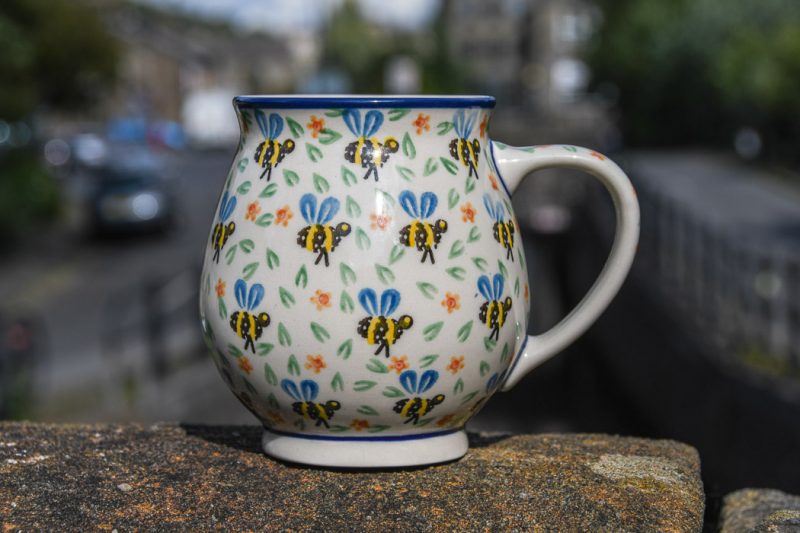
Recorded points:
(376, 452)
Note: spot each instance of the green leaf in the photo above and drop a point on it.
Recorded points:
(387, 197)
(286, 297)
(397, 114)
(469, 397)
(480, 263)
(333, 113)
(314, 153)
(449, 166)
(506, 353)
(345, 349)
(430, 166)
(362, 239)
(283, 335)
(503, 269)
(501, 146)
(367, 410)
(443, 127)
(459, 387)
(377, 428)
(291, 177)
(295, 127)
(328, 136)
(273, 260)
(393, 392)
(293, 366)
(489, 344)
(337, 383)
(247, 245)
(474, 234)
(452, 198)
(405, 172)
(263, 348)
(428, 360)
(409, 150)
(430, 332)
(269, 375)
(348, 177)
(249, 270)
(516, 287)
(464, 331)
(457, 273)
(272, 401)
(424, 422)
(320, 333)
(244, 188)
(338, 428)
(485, 368)
(376, 365)
(572, 149)
(346, 303)
(233, 351)
(321, 185)
(243, 164)
(269, 190)
(223, 309)
(427, 289)
(363, 384)
(384, 274)
(469, 185)
(397, 252)
(265, 220)
(347, 274)
(230, 254)
(353, 209)
(456, 249)
(302, 277)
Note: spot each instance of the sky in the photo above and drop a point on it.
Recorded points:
(279, 16)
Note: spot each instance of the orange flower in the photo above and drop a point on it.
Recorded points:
(598, 155)
(422, 123)
(451, 302)
(456, 364)
(322, 299)
(244, 364)
(444, 420)
(399, 364)
(220, 288)
(379, 220)
(359, 424)
(315, 125)
(275, 417)
(494, 181)
(484, 123)
(253, 210)
(468, 212)
(283, 215)
(526, 292)
(315, 363)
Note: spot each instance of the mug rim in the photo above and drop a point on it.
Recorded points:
(327, 101)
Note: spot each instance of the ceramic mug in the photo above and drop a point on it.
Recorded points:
(364, 289)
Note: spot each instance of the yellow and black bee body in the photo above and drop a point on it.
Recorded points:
(494, 311)
(379, 328)
(462, 149)
(367, 151)
(422, 235)
(245, 323)
(222, 231)
(412, 409)
(305, 404)
(503, 230)
(271, 151)
(319, 237)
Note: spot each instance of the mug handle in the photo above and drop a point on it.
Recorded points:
(512, 165)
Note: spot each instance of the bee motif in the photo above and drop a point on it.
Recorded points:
(503, 230)
(367, 151)
(246, 324)
(493, 312)
(378, 328)
(461, 148)
(222, 232)
(414, 408)
(423, 236)
(305, 405)
(271, 152)
(320, 237)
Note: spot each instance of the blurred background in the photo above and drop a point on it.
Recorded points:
(109, 173)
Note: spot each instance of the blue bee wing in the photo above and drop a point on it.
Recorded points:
(409, 203)
(390, 299)
(261, 119)
(240, 289)
(226, 209)
(352, 118)
(327, 210)
(428, 379)
(458, 122)
(427, 204)
(499, 210)
(487, 201)
(497, 286)
(372, 122)
(308, 207)
(290, 388)
(408, 380)
(470, 124)
(485, 287)
(255, 296)
(275, 125)
(309, 390)
(492, 381)
(369, 301)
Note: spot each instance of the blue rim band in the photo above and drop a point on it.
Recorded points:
(384, 438)
(343, 102)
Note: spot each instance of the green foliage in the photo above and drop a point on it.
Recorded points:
(27, 192)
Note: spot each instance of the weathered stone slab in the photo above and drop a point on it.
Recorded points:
(760, 510)
(199, 477)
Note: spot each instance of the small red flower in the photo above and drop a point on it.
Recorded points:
(220, 288)
(275, 417)
(283, 215)
(493, 180)
(484, 123)
(315, 125)
(468, 212)
(526, 292)
(444, 420)
(245, 365)
(253, 210)
(456, 364)
(399, 364)
(315, 363)
(322, 299)
(359, 424)
(379, 220)
(598, 155)
(422, 123)
(451, 302)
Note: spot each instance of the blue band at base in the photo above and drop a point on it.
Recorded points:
(361, 101)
